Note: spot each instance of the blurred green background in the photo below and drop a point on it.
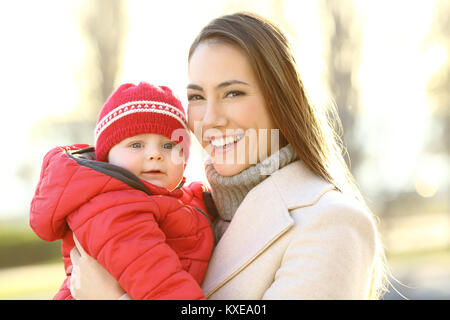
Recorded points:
(384, 64)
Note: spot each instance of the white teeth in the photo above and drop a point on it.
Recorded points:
(220, 142)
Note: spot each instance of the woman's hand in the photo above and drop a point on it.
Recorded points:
(89, 280)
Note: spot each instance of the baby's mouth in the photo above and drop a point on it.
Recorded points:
(153, 172)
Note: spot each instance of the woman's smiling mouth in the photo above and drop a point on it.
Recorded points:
(224, 144)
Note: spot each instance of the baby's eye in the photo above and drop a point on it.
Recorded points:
(136, 145)
(168, 145)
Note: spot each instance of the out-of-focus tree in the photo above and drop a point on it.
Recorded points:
(342, 55)
(439, 84)
(103, 28)
(103, 25)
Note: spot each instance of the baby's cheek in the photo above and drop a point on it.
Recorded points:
(175, 168)
(175, 157)
(127, 163)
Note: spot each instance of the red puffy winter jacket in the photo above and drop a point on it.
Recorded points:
(151, 240)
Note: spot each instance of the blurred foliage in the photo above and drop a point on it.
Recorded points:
(439, 84)
(21, 246)
(40, 281)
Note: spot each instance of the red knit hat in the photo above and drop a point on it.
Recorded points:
(133, 110)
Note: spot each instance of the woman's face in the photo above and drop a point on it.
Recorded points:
(227, 111)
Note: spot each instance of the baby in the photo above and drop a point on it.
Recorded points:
(127, 208)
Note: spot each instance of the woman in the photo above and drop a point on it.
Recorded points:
(292, 224)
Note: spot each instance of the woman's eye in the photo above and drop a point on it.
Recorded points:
(234, 93)
(194, 97)
(136, 145)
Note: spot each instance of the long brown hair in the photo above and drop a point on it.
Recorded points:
(311, 131)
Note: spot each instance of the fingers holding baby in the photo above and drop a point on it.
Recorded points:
(89, 279)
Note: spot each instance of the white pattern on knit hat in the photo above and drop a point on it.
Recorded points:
(139, 106)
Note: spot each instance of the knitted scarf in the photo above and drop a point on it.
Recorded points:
(229, 192)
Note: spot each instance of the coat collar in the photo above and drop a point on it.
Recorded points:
(261, 219)
(299, 186)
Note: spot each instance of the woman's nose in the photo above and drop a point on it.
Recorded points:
(214, 116)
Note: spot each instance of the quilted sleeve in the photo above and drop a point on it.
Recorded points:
(125, 238)
(47, 212)
(195, 194)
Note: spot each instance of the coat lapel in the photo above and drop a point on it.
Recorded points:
(260, 220)
(299, 186)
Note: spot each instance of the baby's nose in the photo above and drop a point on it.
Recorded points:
(155, 157)
(155, 154)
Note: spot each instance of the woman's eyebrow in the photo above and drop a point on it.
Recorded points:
(230, 82)
(220, 85)
(194, 86)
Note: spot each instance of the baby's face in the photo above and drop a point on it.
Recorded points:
(151, 157)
